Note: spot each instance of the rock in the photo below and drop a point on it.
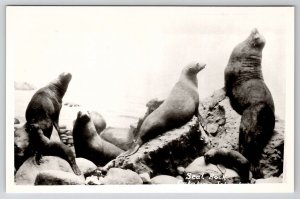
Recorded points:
(269, 180)
(212, 128)
(120, 137)
(165, 179)
(54, 177)
(27, 173)
(71, 104)
(180, 170)
(198, 169)
(162, 154)
(180, 178)
(98, 121)
(121, 176)
(16, 121)
(85, 165)
(145, 178)
(21, 146)
(92, 180)
(216, 110)
(23, 86)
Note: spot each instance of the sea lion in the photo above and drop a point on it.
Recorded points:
(43, 113)
(44, 146)
(46, 104)
(230, 159)
(88, 144)
(98, 121)
(250, 97)
(179, 107)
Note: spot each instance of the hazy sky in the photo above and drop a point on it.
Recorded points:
(121, 53)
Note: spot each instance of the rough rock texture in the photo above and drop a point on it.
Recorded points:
(223, 126)
(27, 173)
(54, 177)
(121, 176)
(165, 179)
(165, 153)
(21, 146)
(29, 169)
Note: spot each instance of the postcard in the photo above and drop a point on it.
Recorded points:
(159, 99)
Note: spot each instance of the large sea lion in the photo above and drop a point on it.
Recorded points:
(179, 107)
(42, 113)
(46, 104)
(250, 97)
(230, 159)
(88, 144)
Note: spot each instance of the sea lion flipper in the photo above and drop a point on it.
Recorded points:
(38, 157)
(76, 169)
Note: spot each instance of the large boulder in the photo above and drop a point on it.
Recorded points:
(27, 173)
(54, 177)
(223, 127)
(121, 176)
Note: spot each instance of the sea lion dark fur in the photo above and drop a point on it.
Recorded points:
(250, 97)
(88, 144)
(46, 104)
(44, 146)
(230, 159)
(179, 107)
(42, 113)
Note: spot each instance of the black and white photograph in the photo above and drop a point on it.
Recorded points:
(153, 98)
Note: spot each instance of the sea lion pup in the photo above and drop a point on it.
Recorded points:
(44, 146)
(179, 107)
(46, 103)
(89, 145)
(250, 97)
(230, 159)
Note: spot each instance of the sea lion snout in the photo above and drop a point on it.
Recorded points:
(257, 39)
(200, 66)
(66, 76)
(195, 68)
(84, 116)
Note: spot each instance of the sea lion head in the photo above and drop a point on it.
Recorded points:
(83, 117)
(249, 52)
(65, 78)
(193, 68)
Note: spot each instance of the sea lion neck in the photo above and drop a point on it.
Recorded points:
(59, 87)
(187, 75)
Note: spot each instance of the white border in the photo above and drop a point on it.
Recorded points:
(286, 187)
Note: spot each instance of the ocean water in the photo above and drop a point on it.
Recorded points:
(121, 117)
